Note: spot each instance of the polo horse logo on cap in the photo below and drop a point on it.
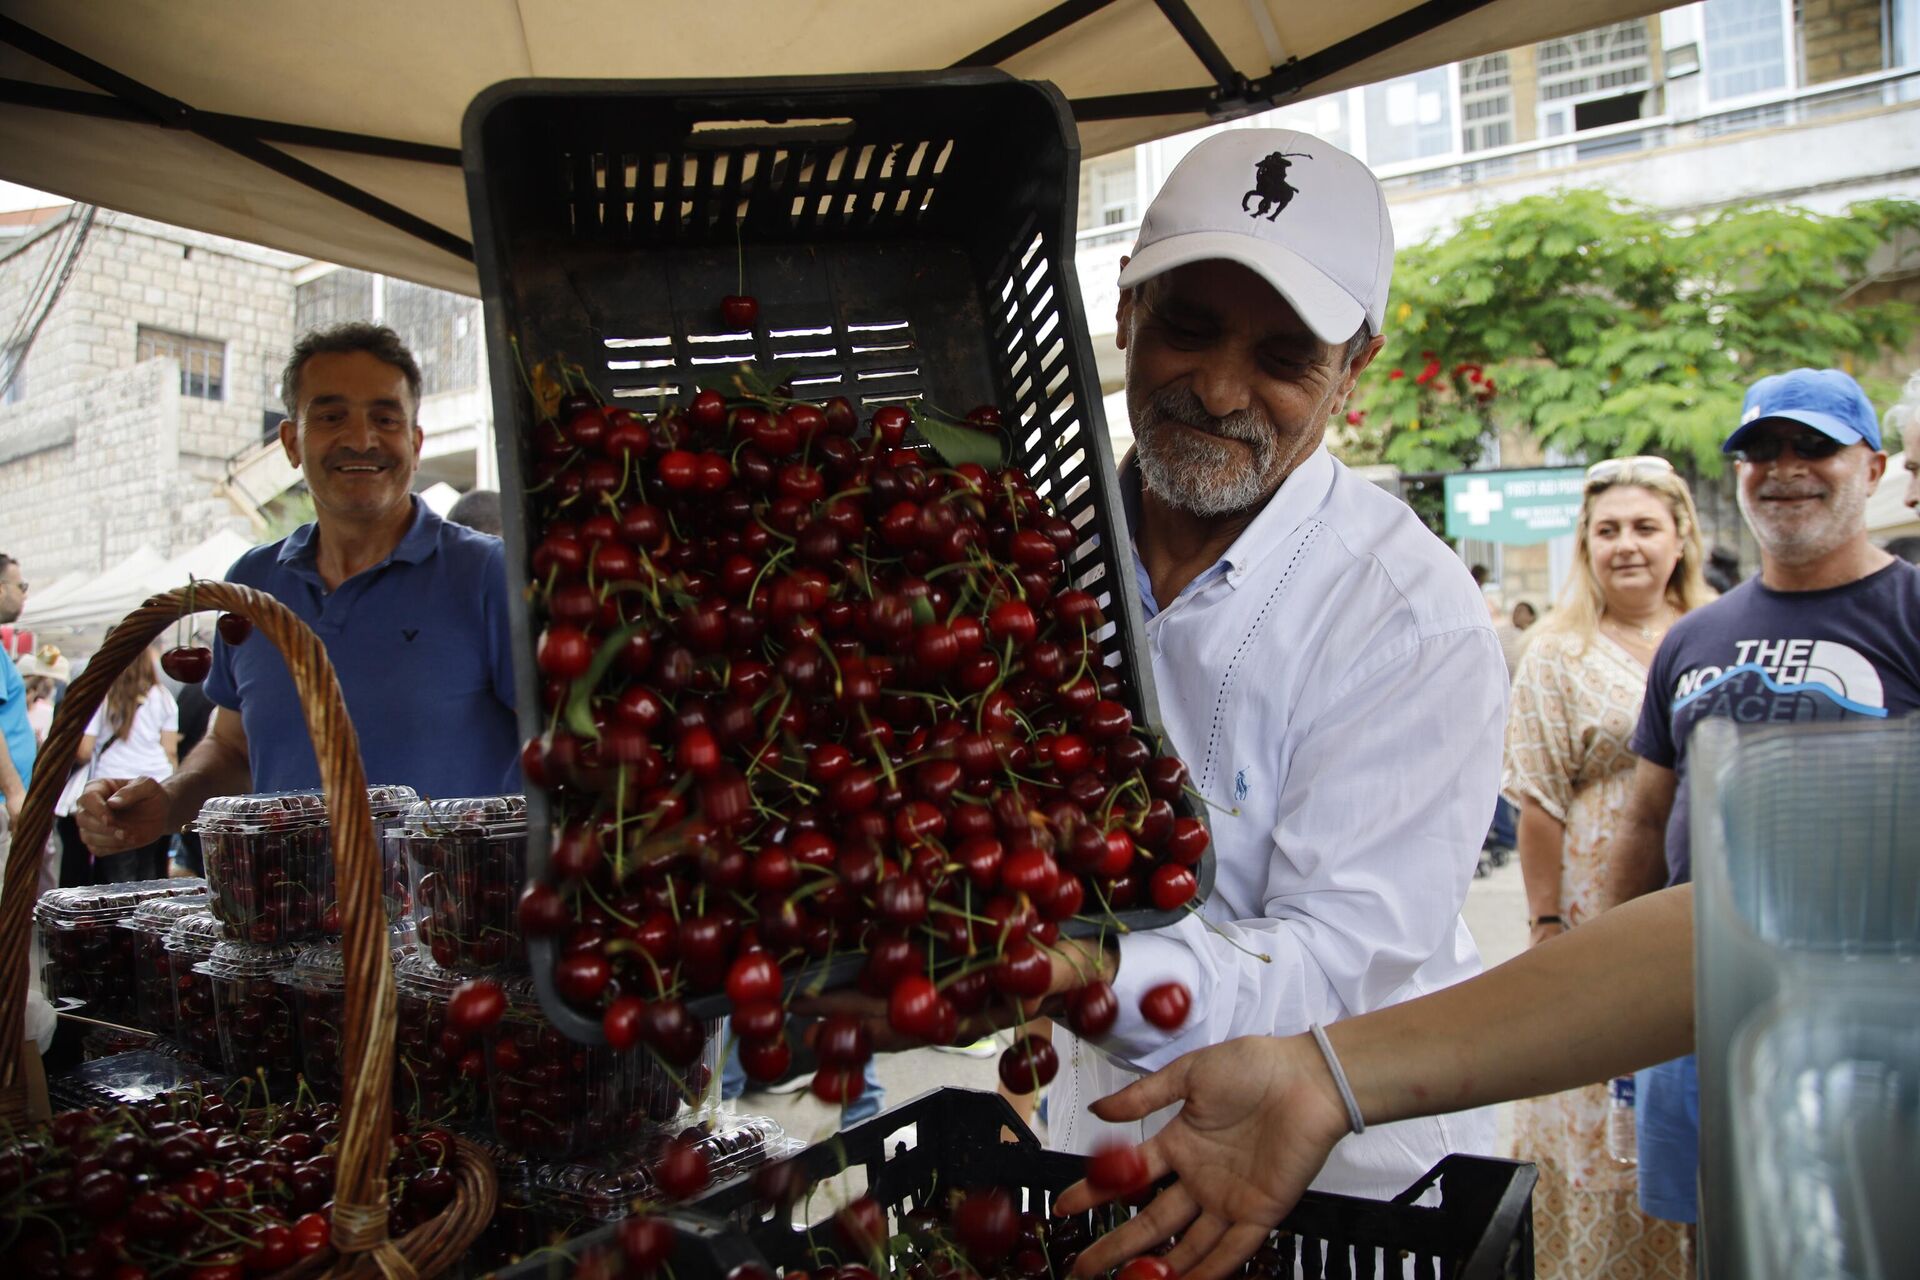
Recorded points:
(1270, 185)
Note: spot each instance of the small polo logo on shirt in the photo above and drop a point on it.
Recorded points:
(409, 633)
(1240, 786)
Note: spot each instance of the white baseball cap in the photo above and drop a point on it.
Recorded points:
(1305, 216)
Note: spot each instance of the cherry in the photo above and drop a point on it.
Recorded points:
(1013, 620)
(708, 408)
(1092, 1010)
(1024, 970)
(1172, 886)
(862, 1227)
(565, 652)
(1029, 1064)
(683, 1171)
(476, 1005)
(766, 1059)
(234, 628)
(1188, 841)
(1117, 1168)
(1166, 1006)
(740, 310)
(842, 1041)
(623, 1020)
(986, 1225)
(542, 911)
(1147, 1267)
(755, 976)
(916, 1008)
(581, 976)
(189, 664)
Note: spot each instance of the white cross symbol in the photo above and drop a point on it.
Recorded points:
(1478, 502)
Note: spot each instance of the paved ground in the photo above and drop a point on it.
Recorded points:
(1496, 912)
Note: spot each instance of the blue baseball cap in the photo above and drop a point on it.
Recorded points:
(1827, 400)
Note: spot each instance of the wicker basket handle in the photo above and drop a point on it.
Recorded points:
(360, 1185)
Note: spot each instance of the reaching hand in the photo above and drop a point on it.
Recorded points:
(116, 815)
(1260, 1117)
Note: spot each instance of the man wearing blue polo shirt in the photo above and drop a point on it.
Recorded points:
(412, 610)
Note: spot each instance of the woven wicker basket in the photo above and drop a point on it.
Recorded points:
(361, 1247)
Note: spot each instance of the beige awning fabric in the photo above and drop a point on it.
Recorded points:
(391, 82)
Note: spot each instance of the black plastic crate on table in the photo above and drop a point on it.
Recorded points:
(1482, 1229)
(906, 236)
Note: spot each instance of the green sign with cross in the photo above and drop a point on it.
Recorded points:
(1517, 508)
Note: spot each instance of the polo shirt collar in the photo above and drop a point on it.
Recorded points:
(1299, 496)
(421, 540)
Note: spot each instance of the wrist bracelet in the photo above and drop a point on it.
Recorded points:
(1537, 921)
(1354, 1122)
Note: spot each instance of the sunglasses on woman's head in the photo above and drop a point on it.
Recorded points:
(1615, 470)
(1808, 446)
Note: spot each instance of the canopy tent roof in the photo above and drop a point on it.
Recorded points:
(104, 598)
(333, 130)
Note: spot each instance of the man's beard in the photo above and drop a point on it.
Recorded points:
(1804, 539)
(1201, 476)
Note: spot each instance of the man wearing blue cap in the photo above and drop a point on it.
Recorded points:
(1830, 630)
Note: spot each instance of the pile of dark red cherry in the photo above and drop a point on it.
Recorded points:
(190, 1184)
(814, 691)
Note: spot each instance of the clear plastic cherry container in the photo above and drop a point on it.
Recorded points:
(572, 1198)
(437, 1077)
(88, 956)
(269, 861)
(465, 862)
(152, 980)
(254, 1008)
(318, 979)
(190, 943)
(553, 1099)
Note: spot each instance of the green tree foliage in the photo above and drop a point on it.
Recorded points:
(1604, 328)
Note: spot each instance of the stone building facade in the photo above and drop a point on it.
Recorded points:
(149, 370)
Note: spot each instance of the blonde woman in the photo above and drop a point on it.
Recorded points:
(1576, 699)
(135, 733)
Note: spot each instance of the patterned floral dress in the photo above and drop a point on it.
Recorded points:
(1575, 703)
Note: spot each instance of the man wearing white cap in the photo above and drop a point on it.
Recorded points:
(1325, 665)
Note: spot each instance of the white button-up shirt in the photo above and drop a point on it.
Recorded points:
(1335, 686)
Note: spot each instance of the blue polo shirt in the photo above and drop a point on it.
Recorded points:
(423, 651)
(21, 744)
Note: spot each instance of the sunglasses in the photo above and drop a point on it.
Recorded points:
(1808, 445)
(1617, 470)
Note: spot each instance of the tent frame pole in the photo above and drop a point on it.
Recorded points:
(222, 132)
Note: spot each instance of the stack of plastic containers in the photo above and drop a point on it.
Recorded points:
(190, 943)
(152, 979)
(569, 1199)
(88, 957)
(1806, 851)
(254, 1010)
(465, 862)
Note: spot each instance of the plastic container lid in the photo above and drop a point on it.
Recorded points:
(158, 915)
(605, 1189)
(319, 968)
(269, 811)
(389, 800)
(200, 932)
(83, 905)
(241, 960)
(419, 976)
(474, 816)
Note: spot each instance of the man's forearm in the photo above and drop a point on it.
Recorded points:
(1636, 863)
(212, 768)
(1607, 998)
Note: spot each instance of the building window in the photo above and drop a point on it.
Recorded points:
(1410, 118)
(1324, 118)
(1746, 47)
(1589, 64)
(1486, 103)
(435, 326)
(203, 361)
(1113, 190)
(12, 376)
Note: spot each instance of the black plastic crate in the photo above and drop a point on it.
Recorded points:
(906, 235)
(1482, 1229)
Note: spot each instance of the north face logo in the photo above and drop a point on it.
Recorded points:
(1270, 185)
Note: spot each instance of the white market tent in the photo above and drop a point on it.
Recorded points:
(78, 602)
(333, 130)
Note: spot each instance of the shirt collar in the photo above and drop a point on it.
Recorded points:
(1299, 496)
(421, 540)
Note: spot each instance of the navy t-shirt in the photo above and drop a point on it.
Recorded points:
(1759, 656)
(423, 650)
